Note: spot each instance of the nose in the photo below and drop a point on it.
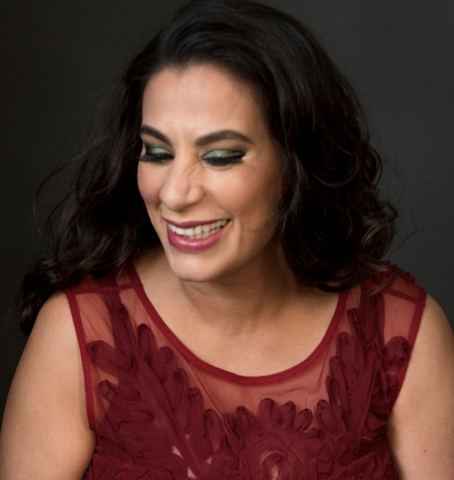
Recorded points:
(182, 186)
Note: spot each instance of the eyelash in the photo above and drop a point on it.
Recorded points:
(216, 161)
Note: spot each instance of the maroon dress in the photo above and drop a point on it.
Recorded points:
(159, 412)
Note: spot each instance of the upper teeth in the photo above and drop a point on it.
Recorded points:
(200, 231)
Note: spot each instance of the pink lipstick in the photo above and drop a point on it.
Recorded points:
(183, 242)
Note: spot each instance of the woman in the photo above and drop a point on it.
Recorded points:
(234, 192)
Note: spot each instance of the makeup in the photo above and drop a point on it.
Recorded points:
(208, 156)
(195, 236)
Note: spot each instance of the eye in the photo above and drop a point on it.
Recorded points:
(156, 154)
(222, 157)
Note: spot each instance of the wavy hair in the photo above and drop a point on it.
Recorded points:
(334, 226)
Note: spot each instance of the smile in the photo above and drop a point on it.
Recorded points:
(199, 231)
(195, 237)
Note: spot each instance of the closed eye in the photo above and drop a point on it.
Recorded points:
(156, 154)
(215, 158)
(223, 157)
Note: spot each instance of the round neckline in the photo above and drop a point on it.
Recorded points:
(225, 374)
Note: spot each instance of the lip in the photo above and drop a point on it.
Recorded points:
(192, 223)
(196, 245)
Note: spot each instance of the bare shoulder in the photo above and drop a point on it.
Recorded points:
(45, 431)
(421, 427)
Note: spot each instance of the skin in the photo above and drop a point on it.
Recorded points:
(45, 433)
(421, 425)
(187, 186)
(247, 264)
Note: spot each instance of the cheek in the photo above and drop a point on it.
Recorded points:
(253, 203)
(148, 185)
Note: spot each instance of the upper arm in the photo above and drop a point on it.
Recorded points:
(421, 424)
(45, 433)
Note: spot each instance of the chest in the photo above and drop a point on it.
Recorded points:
(277, 344)
(172, 415)
(160, 411)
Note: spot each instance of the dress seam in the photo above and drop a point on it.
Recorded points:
(77, 321)
(412, 334)
(231, 377)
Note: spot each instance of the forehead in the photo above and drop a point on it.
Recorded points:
(201, 94)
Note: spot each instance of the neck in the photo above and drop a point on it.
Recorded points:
(243, 300)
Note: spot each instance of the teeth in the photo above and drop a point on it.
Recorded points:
(201, 231)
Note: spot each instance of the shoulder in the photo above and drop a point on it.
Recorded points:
(45, 426)
(421, 427)
(432, 359)
(53, 336)
(51, 350)
(54, 318)
(395, 281)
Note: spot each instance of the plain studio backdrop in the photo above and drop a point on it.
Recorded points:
(59, 58)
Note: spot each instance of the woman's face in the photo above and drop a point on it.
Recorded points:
(209, 174)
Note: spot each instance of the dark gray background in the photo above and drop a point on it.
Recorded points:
(58, 57)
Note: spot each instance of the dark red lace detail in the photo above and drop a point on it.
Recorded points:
(156, 426)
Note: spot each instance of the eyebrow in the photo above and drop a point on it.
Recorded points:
(203, 140)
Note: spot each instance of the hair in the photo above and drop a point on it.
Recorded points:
(334, 226)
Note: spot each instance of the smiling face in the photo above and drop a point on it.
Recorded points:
(209, 173)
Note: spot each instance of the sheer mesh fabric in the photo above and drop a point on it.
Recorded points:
(159, 412)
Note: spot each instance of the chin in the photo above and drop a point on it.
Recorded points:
(195, 275)
(193, 268)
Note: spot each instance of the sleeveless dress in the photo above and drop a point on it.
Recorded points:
(161, 413)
